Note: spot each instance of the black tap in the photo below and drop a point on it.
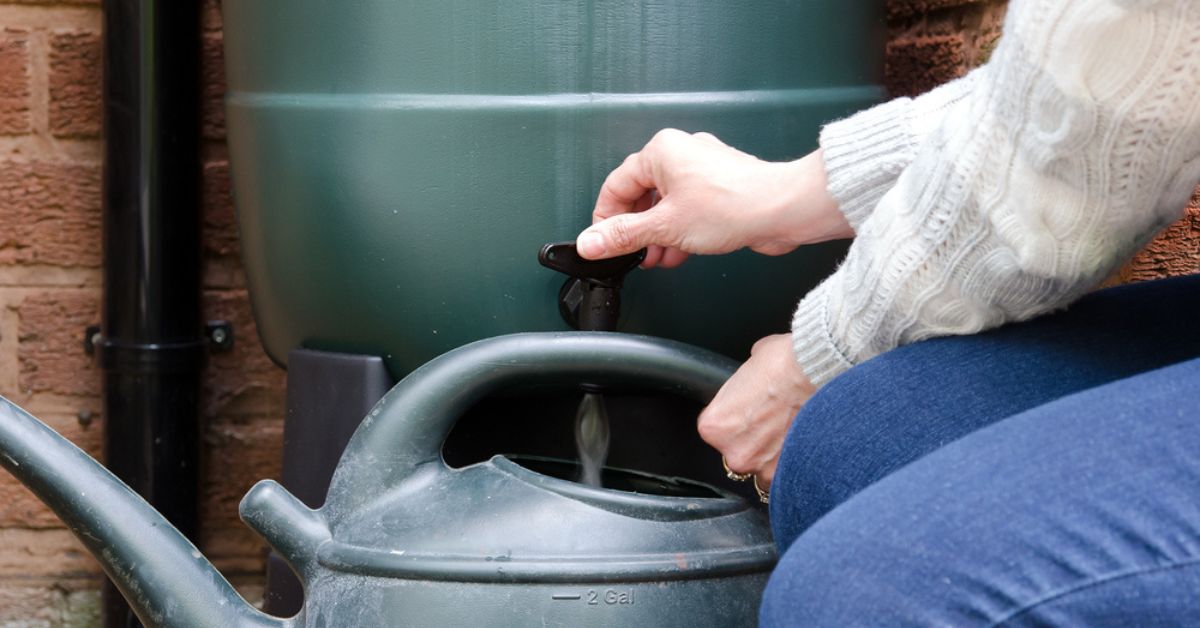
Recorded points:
(590, 300)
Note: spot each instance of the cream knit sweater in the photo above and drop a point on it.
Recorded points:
(1014, 190)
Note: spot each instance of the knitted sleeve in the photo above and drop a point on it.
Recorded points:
(1078, 141)
(865, 153)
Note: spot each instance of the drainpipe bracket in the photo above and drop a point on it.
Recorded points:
(218, 338)
(91, 338)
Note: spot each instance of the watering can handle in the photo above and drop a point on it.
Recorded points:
(406, 429)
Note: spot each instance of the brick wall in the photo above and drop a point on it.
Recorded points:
(50, 158)
(933, 41)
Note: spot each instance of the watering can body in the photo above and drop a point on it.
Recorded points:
(403, 539)
(500, 544)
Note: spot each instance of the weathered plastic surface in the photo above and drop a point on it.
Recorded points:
(398, 164)
(403, 539)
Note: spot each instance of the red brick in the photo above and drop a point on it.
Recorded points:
(75, 83)
(29, 606)
(236, 457)
(905, 8)
(913, 66)
(211, 15)
(50, 603)
(245, 377)
(1174, 252)
(50, 215)
(212, 67)
(42, 553)
(19, 508)
(14, 82)
(50, 349)
(50, 212)
(235, 550)
(220, 223)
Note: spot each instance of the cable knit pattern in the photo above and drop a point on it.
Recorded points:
(1032, 182)
(865, 153)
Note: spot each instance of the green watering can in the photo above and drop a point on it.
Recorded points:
(405, 540)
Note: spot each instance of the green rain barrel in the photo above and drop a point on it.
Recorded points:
(397, 164)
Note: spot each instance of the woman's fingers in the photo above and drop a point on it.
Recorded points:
(619, 222)
(742, 434)
(749, 417)
(767, 474)
(673, 257)
(666, 257)
(624, 187)
(732, 422)
(625, 233)
(654, 253)
(715, 199)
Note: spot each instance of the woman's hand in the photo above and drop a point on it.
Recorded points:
(690, 193)
(750, 416)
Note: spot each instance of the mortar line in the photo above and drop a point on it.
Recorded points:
(9, 329)
(39, 81)
(34, 147)
(40, 277)
(50, 16)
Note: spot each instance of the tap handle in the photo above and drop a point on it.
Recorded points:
(563, 257)
(590, 300)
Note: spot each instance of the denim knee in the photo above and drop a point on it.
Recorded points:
(1082, 511)
(817, 467)
(903, 404)
(899, 406)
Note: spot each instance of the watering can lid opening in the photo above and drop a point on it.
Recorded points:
(616, 479)
(512, 524)
(626, 492)
(500, 520)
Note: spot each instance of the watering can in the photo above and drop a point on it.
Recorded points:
(405, 540)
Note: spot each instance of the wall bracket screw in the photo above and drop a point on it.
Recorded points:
(220, 336)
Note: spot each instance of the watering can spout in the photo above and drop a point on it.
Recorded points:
(163, 576)
(292, 529)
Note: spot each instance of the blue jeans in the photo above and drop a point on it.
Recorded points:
(1045, 473)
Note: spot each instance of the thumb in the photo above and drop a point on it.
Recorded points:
(621, 234)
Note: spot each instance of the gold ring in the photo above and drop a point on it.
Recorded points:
(763, 496)
(734, 475)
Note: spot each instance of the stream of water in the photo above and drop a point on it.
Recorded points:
(591, 437)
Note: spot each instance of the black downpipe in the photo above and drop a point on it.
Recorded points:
(152, 345)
